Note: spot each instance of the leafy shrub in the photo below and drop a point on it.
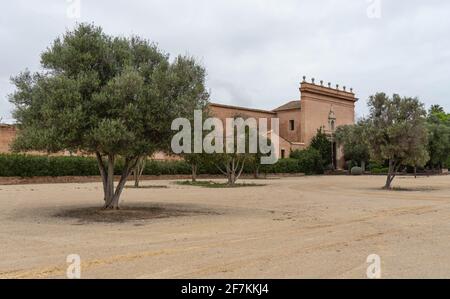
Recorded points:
(447, 164)
(309, 161)
(321, 143)
(282, 166)
(19, 165)
(383, 170)
(356, 170)
(376, 165)
(28, 166)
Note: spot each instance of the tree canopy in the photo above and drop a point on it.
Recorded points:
(438, 124)
(322, 144)
(108, 96)
(397, 132)
(353, 141)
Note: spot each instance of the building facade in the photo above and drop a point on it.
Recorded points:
(318, 107)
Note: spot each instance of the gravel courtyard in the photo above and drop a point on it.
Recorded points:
(305, 227)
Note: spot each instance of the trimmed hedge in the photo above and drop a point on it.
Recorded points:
(383, 170)
(19, 165)
(29, 166)
(309, 161)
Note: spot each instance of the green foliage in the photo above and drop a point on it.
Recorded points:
(353, 140)
(382, 170)
(115, 96)
(356, 171)
(322, 144)
(19, 165)
(282, 166)
(438, 113)
(309, 161)
(397, 132)
(234, 160)
(374, 164)
(438, 125)
(108, 96)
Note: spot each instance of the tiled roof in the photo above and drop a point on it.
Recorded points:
(240, 108)
(289, 106)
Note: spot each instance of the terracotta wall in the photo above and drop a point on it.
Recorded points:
(316, 104)
(223, 112)
(285, 117)
(7, 135)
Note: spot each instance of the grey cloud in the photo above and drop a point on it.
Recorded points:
(256, 51)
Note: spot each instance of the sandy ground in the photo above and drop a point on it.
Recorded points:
(309, 227)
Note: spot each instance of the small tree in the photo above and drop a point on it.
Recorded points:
(195, 161)
(354, 145)
(255, 164)
(321, 143)
(396, 132)
(231, 165)
(254, 159)
(111, 97)
(232, 161)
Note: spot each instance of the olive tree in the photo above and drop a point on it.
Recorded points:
(353, 141)
(397, 132)
(111, 97)
(322, 144)
(240, 147)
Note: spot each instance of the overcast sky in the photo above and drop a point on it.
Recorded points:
(256, 52)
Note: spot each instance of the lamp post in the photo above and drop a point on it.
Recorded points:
(332, 127)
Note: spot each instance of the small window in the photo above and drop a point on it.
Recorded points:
(292, 125)
(283, 154)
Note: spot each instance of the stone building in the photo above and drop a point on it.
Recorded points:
(318, 107)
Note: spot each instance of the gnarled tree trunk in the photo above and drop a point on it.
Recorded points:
(194, 168)
(256, 173)
(111, 194)
(233, 170)
(393, 169)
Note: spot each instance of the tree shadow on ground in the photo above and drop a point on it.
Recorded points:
(406, 189)
(415, 189)
(132, 213)
(147, 187)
